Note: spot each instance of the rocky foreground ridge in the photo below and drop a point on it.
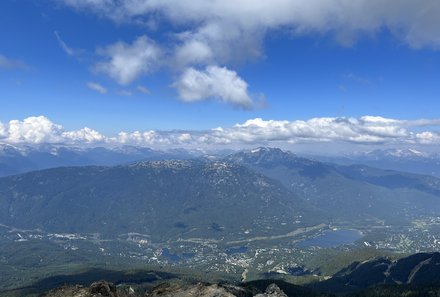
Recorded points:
(103, 288)
(412, 276)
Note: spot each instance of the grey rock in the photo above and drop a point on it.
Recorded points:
(103, 288)
(272, 291)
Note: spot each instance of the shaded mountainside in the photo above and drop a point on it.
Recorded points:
(350, 193)
(164, 199)
(415, 275)
(417, 269)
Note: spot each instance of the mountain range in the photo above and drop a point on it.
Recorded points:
(16, 159)
(161, 198)
(259, 192)
(355, 193)
(408, 160)
(23, 158)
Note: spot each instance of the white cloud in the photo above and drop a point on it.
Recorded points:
(149, 138)
(38, 130)
(97, 87)
(32, 130)
(67, 49)
(213, 82)
(428, 137)
(3, 131)
(126, 62)
(227, 32)
(143, 90)
(366, 130)
(185, 137)
(356, 130)
(192, 51)
(414, 22)
(86, 135)
(11, 64)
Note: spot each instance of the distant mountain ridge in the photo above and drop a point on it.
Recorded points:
(407, 160)
(259, 192)
(21, 159)
(16, 159)
(165, 199)
(352, 193)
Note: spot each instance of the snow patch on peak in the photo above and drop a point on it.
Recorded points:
(256, 150)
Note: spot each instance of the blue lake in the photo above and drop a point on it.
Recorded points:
(236, 250)
(332, 238)
(174, 257)
(170, 256)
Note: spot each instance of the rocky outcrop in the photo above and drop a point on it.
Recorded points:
(272, 291)
(97, 289)
(103, 288)
(199, 289)
(169, 289)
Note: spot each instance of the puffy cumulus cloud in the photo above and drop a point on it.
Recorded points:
(357, 130)
(86, 135)
(96, 87)
(185, 137)
(3, 131)
(163, 138)
(126, 62)
(11, 64)
(33, 130)
(193, 51)
(363, 130)
(213, 82)
(226, 32)
(135, 137)
(223, 32)
(218, 42)
(38, 130)
(428, 137)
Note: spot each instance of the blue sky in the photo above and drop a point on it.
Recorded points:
(146, 65)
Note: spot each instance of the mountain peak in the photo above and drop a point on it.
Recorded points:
(268, 151)
(397, 153)
(261, 155)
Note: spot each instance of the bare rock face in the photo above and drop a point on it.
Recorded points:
(272, 291)
(103, 288)
(73, 291)
(211, 290)
(178, 290)
(97, 289)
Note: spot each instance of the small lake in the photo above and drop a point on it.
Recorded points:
(332, 238)
(170, 256)
(236, 250)
(174, 257)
